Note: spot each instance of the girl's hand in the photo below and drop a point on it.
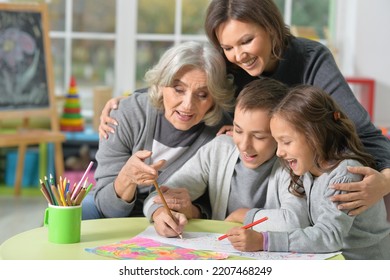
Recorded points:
(106, 122)
(164, 224)
(362, 195)
(246, 240)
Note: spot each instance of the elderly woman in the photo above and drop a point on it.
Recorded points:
(187, 101)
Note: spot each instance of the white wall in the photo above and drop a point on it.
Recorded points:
(362, 40)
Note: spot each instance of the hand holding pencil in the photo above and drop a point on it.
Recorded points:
(246, 240)
(166, 208)
(246, 227)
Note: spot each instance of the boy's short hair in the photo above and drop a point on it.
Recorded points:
(264, 93)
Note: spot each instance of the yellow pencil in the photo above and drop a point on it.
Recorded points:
(56, 195)
(61, 192)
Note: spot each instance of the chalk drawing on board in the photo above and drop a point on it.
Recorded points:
(23, 77)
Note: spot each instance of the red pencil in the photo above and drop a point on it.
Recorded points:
(246, 226)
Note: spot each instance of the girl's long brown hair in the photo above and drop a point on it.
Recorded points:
(329, 132)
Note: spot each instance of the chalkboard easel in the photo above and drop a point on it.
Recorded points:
(26, 80)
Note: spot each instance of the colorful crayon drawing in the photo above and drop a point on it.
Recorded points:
(141, 248)
(209, 241)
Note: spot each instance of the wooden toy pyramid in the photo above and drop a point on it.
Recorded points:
(71, 119)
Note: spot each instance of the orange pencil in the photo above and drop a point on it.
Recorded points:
(246, 226)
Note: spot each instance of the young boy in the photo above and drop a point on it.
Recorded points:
(233, 170)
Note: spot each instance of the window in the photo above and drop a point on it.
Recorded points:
(308, 18)
(169, 22)
(113, 43)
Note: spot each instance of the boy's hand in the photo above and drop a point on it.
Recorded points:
(179, 200)
(167, 227)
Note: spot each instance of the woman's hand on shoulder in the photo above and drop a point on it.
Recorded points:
(226, 129)
(106, 122)
(362, 195)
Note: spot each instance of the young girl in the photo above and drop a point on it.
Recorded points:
(317, 141)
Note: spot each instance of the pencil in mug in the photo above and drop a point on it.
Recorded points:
(46, 185)
(246, 226)
(77, 188)
(46, 195)
(165, 203)
(46, 192)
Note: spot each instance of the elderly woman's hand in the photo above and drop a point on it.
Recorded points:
(136, 173)
(106, 122)
(179, 200)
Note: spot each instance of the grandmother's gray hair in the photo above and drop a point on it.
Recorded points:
(194, 55)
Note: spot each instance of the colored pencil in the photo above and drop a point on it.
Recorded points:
(68, 200)
(52, 180)
(165, 203)
(56, 195)
(88, 189)
(46, 195)
(64, 185)
(246, 226)
(77, 189)
(79, 197)
(47, 187)
(61, 194)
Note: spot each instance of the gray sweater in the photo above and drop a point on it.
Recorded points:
(365, 236)
(137, 121)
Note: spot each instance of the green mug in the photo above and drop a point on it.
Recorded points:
(63, 223)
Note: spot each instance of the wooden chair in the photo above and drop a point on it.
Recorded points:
(37, 78)
(24, 137)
